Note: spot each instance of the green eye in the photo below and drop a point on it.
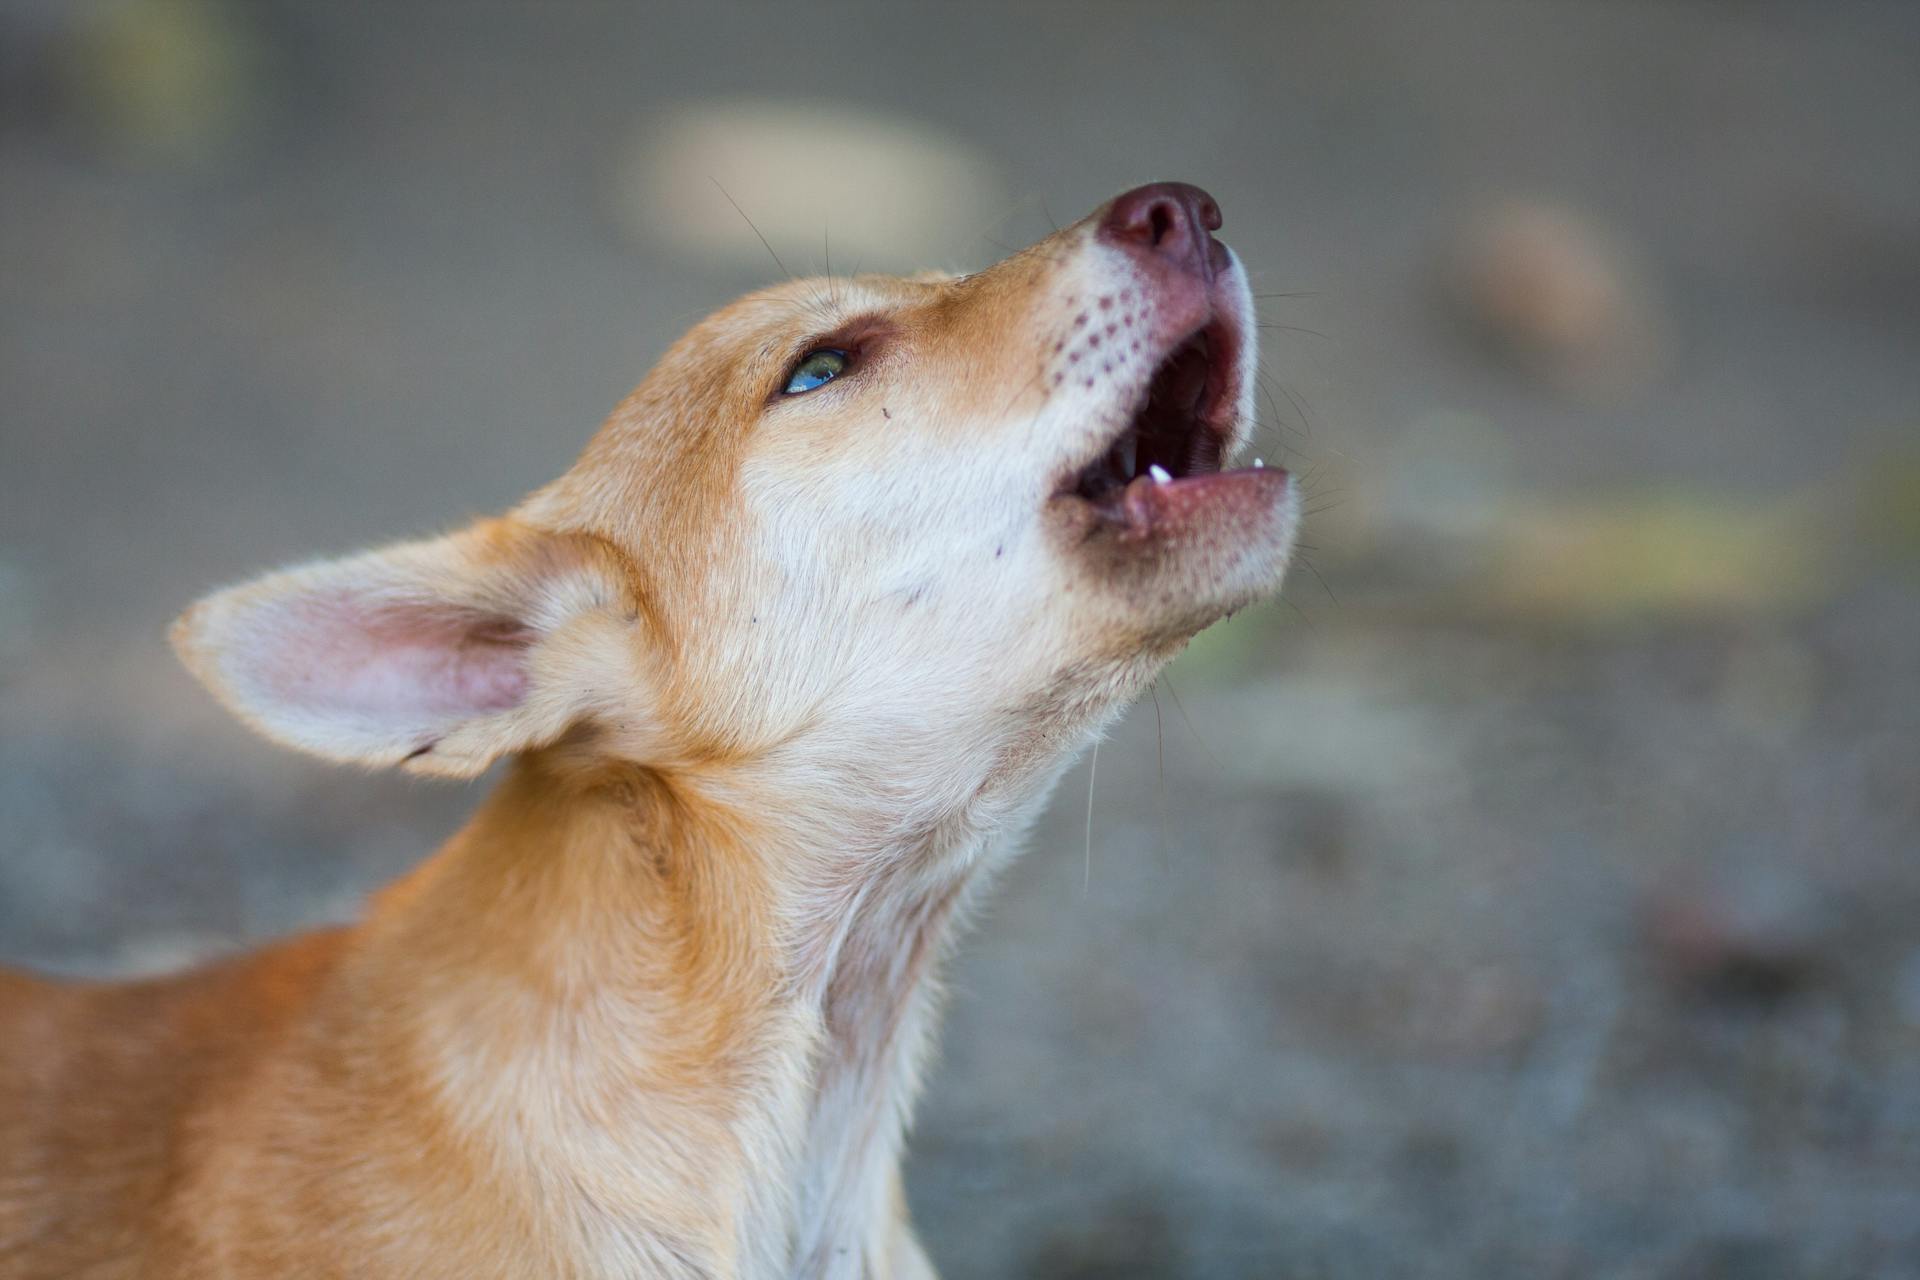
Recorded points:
(815, 369)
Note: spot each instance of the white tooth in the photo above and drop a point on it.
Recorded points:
(1257, 464)
(1129, 448)
(1159, 473)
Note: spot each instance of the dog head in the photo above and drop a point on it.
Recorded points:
(947, 520)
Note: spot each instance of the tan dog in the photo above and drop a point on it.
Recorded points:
(786, 663)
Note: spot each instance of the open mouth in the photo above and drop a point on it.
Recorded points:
(1178, 431)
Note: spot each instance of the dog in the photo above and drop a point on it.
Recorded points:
(782, 667)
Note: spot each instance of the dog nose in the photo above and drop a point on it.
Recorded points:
(1170, 222)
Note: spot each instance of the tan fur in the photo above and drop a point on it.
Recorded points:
(780, 680)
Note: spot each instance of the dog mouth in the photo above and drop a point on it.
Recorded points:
(1178, 431)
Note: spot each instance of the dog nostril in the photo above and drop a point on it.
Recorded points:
(1161, 222)
(1170, 221)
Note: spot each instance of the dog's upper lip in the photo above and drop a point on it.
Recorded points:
(1156, 474)
(1181, 420)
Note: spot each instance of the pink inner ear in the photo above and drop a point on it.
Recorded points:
(402, 665)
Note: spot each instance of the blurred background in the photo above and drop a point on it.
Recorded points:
(1535, 891)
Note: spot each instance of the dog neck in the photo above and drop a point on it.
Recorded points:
(609, 972)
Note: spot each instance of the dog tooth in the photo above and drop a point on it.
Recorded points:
(1258, 464)
(1159, 473)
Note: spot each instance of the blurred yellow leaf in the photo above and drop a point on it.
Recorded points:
(169, 78)
(1889, 504)
(1641, 555)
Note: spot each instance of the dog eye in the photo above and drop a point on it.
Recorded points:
(816, 368)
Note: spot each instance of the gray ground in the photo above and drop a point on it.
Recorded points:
(1540, 896)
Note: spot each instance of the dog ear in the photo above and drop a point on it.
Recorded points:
(440, 655)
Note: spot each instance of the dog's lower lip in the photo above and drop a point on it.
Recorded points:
(1147, 507)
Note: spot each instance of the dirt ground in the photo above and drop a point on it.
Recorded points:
(1534, 892)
